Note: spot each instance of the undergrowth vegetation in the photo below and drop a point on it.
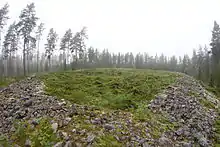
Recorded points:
(217, 130)
(6, 81)
(108, 88)
(41, 135)
(127, 90)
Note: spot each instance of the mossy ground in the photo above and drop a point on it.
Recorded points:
(6, 81)
(215, 91)
(111, 90)
(108, 88)
(118, 94)
(40, 136)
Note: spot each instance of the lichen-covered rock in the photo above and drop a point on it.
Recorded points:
(109, 127)
(165, 142)
(59, 144)
(54, 127)
(68, 144)
(27, 143)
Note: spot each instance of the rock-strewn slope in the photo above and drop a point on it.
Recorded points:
(75, 124)
(192, 107)
(25, 100)
(183, 102)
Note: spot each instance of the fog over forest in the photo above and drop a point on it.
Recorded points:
(73, 46)
(152, 27)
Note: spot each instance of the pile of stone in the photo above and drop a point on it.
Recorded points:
(182, 101)
(26, 100)
(183, 104)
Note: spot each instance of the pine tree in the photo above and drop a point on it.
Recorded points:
(161, 61)
(122, 60)
(215, 43)
(50, 46)
(3, 18)
(137, 61)
(26, 26)
(10, 46)
(131, 59)
(127, 58)
(146, 57)
(39, 33)
(82, 46)
(77, 44)
(97, 57)
(200, 62)
(114, 60)
(31, 46)
(194, 63)
(207, 64)
(173, 63)
(119, 60)
(215, 50)
(91, 54)
(66, 45)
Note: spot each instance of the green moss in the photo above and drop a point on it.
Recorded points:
(6, 81)
(214, 90)
(143, 113)
(217, 131)
(107, 141)
(4, 141)
(113, 89)
(79, 122)
(108, 88)
(159, 122)
(193, 93)
(207, 104)
(40, 136)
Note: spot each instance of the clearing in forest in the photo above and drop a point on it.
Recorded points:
(108, 107)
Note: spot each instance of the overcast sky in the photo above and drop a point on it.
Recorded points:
(153, 26)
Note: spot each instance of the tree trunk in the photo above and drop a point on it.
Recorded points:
(6, 67)
(67, 56)
(10, 70)
(28, 61)
(0, 40)
(38, 46)
(24, 59)
(76, 58)
(72, 62)
(64, 59)
(1, 64)
(49, 60)
(1, 68)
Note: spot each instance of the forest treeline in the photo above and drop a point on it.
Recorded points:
(20, 51)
